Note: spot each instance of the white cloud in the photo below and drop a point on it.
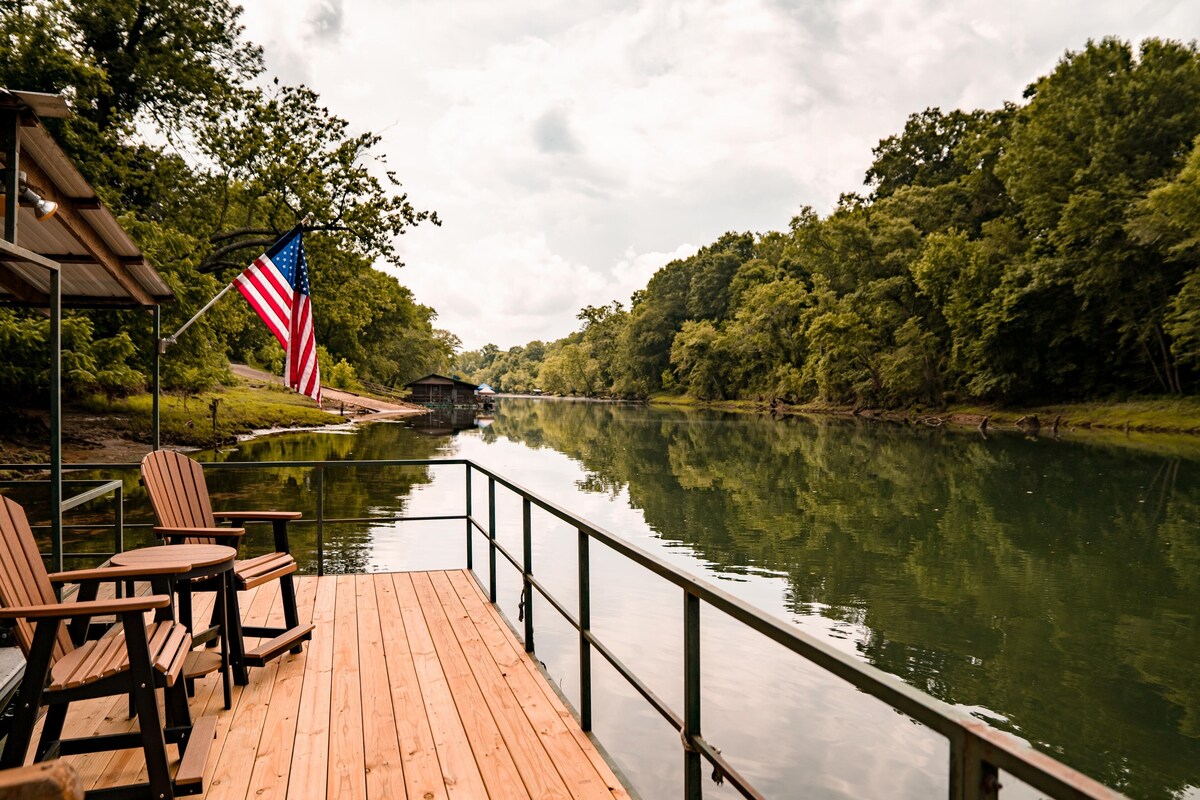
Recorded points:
(572, 150)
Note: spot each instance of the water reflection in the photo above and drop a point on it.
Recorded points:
(1050, 585)
(1053, 583)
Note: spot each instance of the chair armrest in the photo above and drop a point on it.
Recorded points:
(87, 608)
(50, 779)
(118, 573)
(258, 516)
(216, 533)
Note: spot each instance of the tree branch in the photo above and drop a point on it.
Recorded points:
(220, 237)
(216, 255)
(226, 235)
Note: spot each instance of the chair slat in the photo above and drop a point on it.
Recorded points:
(252, 568)
(178, 493)
(23, 579)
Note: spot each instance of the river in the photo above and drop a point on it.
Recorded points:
(1048, 586)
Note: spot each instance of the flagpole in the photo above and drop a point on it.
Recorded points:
(163, 344)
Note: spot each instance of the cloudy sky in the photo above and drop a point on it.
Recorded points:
(574, 148)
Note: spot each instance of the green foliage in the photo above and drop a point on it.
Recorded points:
(342, 376)
(245, 165)
(114, 377)
(169, 59)
(1030, 253)
(1183, 321)
(88, 363)
(698, 360)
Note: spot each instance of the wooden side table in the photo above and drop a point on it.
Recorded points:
(208, 563)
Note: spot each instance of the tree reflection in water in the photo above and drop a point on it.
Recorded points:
(1053, 582)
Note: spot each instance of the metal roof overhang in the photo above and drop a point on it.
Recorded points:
(98, 263)
(79, 257)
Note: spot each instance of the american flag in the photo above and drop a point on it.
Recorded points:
(276, 286)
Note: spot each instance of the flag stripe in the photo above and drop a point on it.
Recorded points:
(307, 361)
(276, 286)
(271, 285)
(254, 297)
(260, 286)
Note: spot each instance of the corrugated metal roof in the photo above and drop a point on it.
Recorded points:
(99, 262)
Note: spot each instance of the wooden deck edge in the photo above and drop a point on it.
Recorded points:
(548, 681)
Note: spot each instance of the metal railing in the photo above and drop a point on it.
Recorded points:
(977, 752)
(100, 488)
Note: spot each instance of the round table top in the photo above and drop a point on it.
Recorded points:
(197, 555)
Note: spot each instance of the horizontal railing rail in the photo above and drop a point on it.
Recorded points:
(977, 752)
(100, 488)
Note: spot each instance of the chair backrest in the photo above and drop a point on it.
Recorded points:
(178, 493)
(23, 578)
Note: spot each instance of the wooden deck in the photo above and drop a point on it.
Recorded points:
(411, 687)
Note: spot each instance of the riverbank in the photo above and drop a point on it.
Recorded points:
(1160, 415)
(101, 430)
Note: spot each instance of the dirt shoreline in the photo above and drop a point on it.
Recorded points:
(96, 438)
(1174, 417)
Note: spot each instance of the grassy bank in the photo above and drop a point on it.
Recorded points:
(240, 410)
(1165, 415)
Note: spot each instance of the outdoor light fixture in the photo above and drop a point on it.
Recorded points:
(43, 209)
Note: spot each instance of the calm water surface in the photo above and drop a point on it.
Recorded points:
(1050, 587)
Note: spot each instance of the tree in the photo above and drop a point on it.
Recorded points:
(173, 60)
(926, 153)
(245, 166)
(282, 158)
(1168, 219)
(1098, 131)
(698, 360)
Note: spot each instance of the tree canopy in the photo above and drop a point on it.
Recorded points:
(207, 163)
(1039, 251)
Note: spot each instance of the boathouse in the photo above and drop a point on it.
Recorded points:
(438, 390)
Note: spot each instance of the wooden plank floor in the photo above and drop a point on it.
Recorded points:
(412, 686)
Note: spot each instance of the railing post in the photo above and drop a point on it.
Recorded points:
(527, 519)
(320, 520)
(692, 785)
(491, 539)
(470, 556)
(119, 534)
(119, 544)
(972, 777)
(585, 625)
(56, 454)
(156, 383)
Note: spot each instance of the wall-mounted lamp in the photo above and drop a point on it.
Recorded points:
(43, 209)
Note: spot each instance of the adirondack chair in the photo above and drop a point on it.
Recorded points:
(63, 667)
(181, 502)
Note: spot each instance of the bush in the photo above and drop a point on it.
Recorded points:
(342, 376)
